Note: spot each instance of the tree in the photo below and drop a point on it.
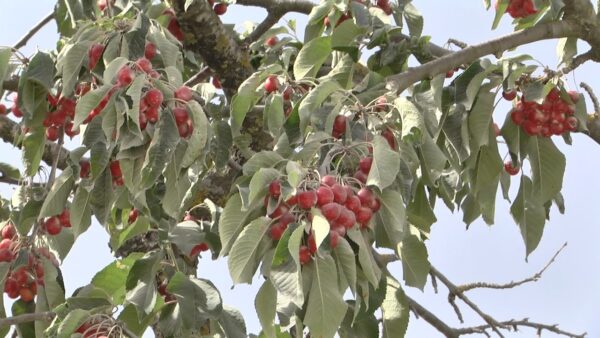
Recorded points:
(296, 161)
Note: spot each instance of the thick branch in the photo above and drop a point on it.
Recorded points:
(552, 30)
(23, 41)
(299, 6)
(26, 318)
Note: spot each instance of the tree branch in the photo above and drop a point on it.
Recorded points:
(23, 41)
(523, 322)
(552, 30)
(272, 18)
(28, 317)
(432, 319)
(512, 284)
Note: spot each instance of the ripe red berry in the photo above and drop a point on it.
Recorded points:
(115, 169)
(94, 54)
(124, 76)
(353, 203)
(276, 231)
(85, 167)
(571, 123)
(199, 248)
(220, 8)
(375, 205)
(531, 127)
(331, 211)
(388, 134)
(70, 131)
(184, 93)
(5, 244)
(150, 51)
(180, 114)
(152, 114)
(340, 194)
(9, 231)
(510, 168)
(363, 216)
(183, 129)
(307, 199)
(361, 176)
(216, 83)
(175, 29)
(334, 237)
(324, 195)
(573, 95)
(153, 98)
(509, 95)
(366, 196)
(275, 189)
(52, 225)
(328, 180)
(52, 133)
(65, 218)
(3, 110)
(271, 84)
(347, 218)
(272, 41)
(304, 255)
(133, 215)
(450, 73)
(365, 164)
(339, 126)
(517, 116)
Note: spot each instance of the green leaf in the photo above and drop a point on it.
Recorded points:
(136, 37)
(395, 310)
(266, 305)
(5, 54)
(344, 256)
(414, 19)
(33, 149)
(529, 213)
(198, 299)
(69, 65)
(345, 34)
(199, 136)
(140, 226)
(160, 151)
(56, 199)
(273, 115)
(326, 307)
(420, 212)
(140, 283)
(247, 250)
(390, 220)
(88, 102)
(385, 166)
(311, 57)
(413, 123)
(186, 235)
(72, 322)
(501, 9)
(260, 182)
(313, 100)
(27, 329)
(285, 271)
(9, 171)
(263, 159)
(415, 265)
(480, 118)
(232, 323)
(547, 167)
(111, 279)
(365, 256)
(232, 220)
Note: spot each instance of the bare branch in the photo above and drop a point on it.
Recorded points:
(514, 324)
(452, 301)
(432, 319)
(512, 284)
(578, 61)
(199, 77)
(23, 41)
(458, 43)
(552, 30)
(593, 96)
(26, 318)
(272, 18)
(299, 6)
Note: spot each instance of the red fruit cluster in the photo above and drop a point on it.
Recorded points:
(23, 281)
(150, 51)
(61, 114)
(520, 8)
(162, 283)
(339, 204)
(54, 224)
(116, 173)
(8, 243)
(149, 107)
(98, 109)
(342, 18)
(554, 116)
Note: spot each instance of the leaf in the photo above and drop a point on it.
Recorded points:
(344, 256)
(140, 283)
(390, 219)
(385, 166)
(8, 171)
(140, 226)
(70, 62)
(415, 264)
(529, 213)
(199, 137)
(231, 222)
(199, 299)
(365, 257)
(245, 253)
(311, 57)
(420, 212)
(88, 102)
(136, 37)
(273, 115)
(285, 270)
(414, 19)
(111, 279)
(232, 323)
(502, 6)
(547, 167)
(395, 310)
(55, 201)
(186, 235)
(160, 151)
(266, 304)
(480, 118)
(33, 149)
(413, 124)
(313, 100)
(260, 182)
(263, 159)
(101, 196)
(27, 329)
(326, 307)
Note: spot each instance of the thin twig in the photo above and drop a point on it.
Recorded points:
(28, 317)
(452, 301)
(578, 61)
(199, 77)
(420, 311)
(512, 284)
(272, 18)
(433, 282)
(34, 30)
(458, 43)
(523, 322)
(593, 96)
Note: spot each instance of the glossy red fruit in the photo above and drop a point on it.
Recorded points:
(220, 8)
(510, 168)
(183, 129)
(532, 127)
(3, 110)
(152, 114)
(175, 29)
(65, 218)
(276, 231)
(271, 84)
(181, 115)
(272, 41)
(312, 244)
(328, 180)
(199, 248)
(517, 116)
(133, 215)
(571, 123)
(363, 216)
(375, 205)
(115, 169)
(347, 218)
(5, 244)
(280, 210)
(509, 95)
(150, 51)
(339, 126)
(307, 199)
(52, 225)
(144, 65)
(85, 167)
(324, 195)
(70, 131)
(340, 194)
(286, 219)
(304, 255)
(124, 76)
(94, 54)
(184, 93)
(334, 238)
(353, 203)
(215, 82)
(6, 255)
(9, 231)
(143, 120)
(275, 189)
(365, 164)
(388, 134)
(331, 211)
(450, 73)
(52, 133)
(366, 196)
(153, 98)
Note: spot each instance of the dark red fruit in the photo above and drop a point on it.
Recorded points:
(339, 126)
(115, 169)
(353, 203)
(510, 168)
(340, 194)
(331, 211)
(150, 50)
(180, 114)
(365, 164)
(275, 189)
(9, 231)
(199, 248)
(152, 114)
(52, 133)
(304, 255)
(175, 29)
(85, 168)
(329, 180)
(144, 65)
(509, 95)
(220, 8)
(184, 93)
(94, 54)
(363, 216)
(307, 199)
(52, 225)
(216, 83)
(271, 84)
(276, 231)
(388, 134)
(133, 215)
(3, 110)
(124, 76)
(272, 41)
(324, 195)
(334, 237)
(366, 196)
(347, 218)
(65, 218)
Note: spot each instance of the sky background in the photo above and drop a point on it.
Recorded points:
(568, 292)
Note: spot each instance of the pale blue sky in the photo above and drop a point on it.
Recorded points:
(567, 294)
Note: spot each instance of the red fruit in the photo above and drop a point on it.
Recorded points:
(571, 123)
(133, 215)
(360, 176)
(366, 196)
(143, 120)
(496, 129)
(312, 244)
(339, 126)
(385, 6)
(532, 127)
(271, 84)
(3, 109)
(84, 170)
(340, 194)
(184, 93)
(6, 255)
(220, 8)
(150, 51)
(450, 73)
(324, 195)
(363, 216)
(375, 205)
(304, 255)
(509, 95)
(287, 94)
(293, 200)
(280, 210)
(65, 218)
(510, 168)
(180, 114)
(573, 95)
(275, 189)
(5, 244)
(124, 76)
(272, 41)
(520, 8)
(331, 211)
(381, 103)
(118, 181)
(307, 199)
(52, 133)
(94, 54)
(115, 169)
(286, 219)
(276, 231)
(198, 249)
(152, 114)
(517, 116)
(52, 225)
(26, 295)
(353, 203)
(144, 65)
(334, 237)
(365, 164)
(153, 98)
(328, 180)
(557, 128)
(175, 29)
(346, 219)
(70, 131)
(183, 129)
(216, 83)
(388, 134)
(9, 231)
